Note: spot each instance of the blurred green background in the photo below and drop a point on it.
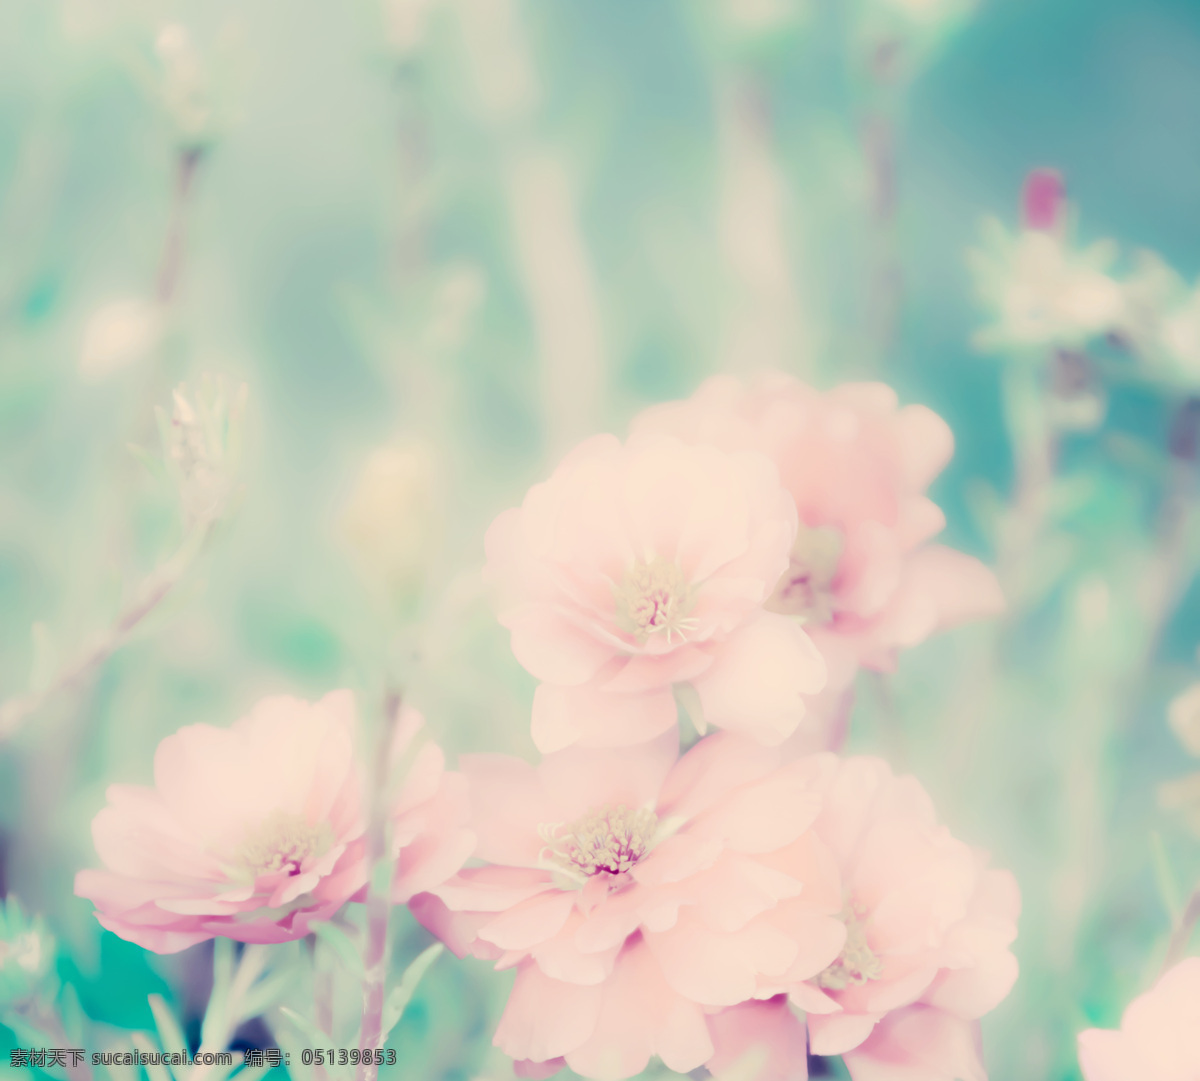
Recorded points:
(495, 228)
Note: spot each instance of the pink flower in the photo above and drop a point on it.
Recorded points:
(1159, 1036)
(862, 576)
(707, 864)
(254, 832)
(764, 1040)
(928, 927)
(607, 1030)
(639, 567)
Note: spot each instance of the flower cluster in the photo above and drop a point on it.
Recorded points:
(742, 554)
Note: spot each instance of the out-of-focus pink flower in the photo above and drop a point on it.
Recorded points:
(928, 925)
(1159, 1036)
(641, 566)
(709, 863)
(607, 1030)
(254, 832)
(862, 576)
(759, 1040)
(919, 1042)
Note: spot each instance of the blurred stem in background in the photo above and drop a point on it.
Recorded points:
(171, 264)
(885, 86)
(766, 324)
(550, 250)
(201, 459)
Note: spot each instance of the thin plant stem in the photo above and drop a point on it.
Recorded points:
(1181, 935)
(378, 902)
(152, 592)
(170, 264)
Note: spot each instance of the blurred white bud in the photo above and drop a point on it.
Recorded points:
(202, 446)
(1184, 718)
(198, 87)
(186, 92)
(405, 23)
(393, 522)
(1182, 797)
(927, 12)
(119, 334)
(761, 15)
(1041, 292)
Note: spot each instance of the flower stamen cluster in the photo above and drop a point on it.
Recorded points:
(608, 841)
(654, 597)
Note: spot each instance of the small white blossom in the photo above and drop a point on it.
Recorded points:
(1162, 322)
(1042, 292)
(202, 446)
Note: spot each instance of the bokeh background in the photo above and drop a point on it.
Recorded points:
(476, 231)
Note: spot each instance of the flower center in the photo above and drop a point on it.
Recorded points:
(806, 588)
(282, 844)
(608, 841)
(654, 597)
(856, 964)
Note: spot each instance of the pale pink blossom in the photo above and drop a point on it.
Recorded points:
(256, 831)
(863, 577)
(928, 928)
(759, 1041)
(639, 567)
(707, 863)
(1159, 1036)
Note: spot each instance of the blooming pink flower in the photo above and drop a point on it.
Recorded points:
(862, 576)
(254, 832)
(641, 566)
(707, 865)
(1159, 1036)
(928, 927)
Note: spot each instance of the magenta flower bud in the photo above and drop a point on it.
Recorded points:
(1043, 200)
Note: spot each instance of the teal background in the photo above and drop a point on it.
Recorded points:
(342, 190)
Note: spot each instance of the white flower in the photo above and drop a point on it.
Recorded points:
(1042, 292)
(1162, 321)
(119, 334)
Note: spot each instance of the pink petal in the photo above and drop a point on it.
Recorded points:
(759, 678)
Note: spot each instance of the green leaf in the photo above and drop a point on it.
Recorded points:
(142, 1042)
(400, 995)
(170, 1035)
(264, 994)
(307, 1028)
(1164, 877)
(73, 1018)
(214, 1014)
(342, 945)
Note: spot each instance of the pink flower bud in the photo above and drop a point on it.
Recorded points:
(1043, 200)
